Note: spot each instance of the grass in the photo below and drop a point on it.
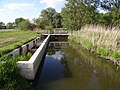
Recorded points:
(104, 41)
(9, 73)
(8, 29)
(10, 40)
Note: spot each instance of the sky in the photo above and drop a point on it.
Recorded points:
(28, 9)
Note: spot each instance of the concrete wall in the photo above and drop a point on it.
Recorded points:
(24, 48)
(30, 45)
(15, 52)
(28, 69)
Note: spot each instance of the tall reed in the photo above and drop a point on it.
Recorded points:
(102, 40)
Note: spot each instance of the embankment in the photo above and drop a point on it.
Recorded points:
(101, 40)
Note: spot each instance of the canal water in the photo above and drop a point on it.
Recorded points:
(70, 67)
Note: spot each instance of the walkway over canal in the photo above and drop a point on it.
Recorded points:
(57, 34)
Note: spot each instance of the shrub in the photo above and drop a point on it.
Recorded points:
(26, 25)
(50, 28)
(9, 73)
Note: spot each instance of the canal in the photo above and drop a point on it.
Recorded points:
(68, 66)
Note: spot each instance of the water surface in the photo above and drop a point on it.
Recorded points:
(68, 67)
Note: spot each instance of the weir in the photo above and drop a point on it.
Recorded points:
(28, 69)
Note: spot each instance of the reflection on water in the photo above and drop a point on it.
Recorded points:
(68, 67)
(58, 55)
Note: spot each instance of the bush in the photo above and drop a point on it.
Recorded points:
(26, 25)
(9, 73)
(50, 28)
(9, 76)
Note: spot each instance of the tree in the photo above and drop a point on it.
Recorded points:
(48, 15)
(113, 8)
(25, 25)
(10, 25)
(67, 19)
(109, 4)
(18, 20)
(49, 18)
(114, 15)
(41, 22)
(57, 20)
(2, 25)
(78, 13)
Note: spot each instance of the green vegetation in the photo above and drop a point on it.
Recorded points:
(2, 25)
(48, 19)
(9, 73)
(78, 13)
(100, 40)
(103, 40)
(10, 40)
(23, 24)
(92, 62)
(73, 16)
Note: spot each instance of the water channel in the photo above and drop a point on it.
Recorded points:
(70, 67)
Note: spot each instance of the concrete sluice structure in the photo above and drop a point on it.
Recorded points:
(24, 49)
(28, 69)
(38, 46)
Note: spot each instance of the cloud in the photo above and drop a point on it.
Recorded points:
(19, 6)
(51, 3)
(34, 1)
(2, 9)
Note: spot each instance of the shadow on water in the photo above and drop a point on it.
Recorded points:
(59, 38)
(71, 67)
(103, 74)
(67, 72)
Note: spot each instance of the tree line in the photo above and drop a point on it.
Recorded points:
(78, 13)
(73, 16)
(20, 23)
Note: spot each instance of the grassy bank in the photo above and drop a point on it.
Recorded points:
(101, 40)
(9, 73)
(10, 40)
